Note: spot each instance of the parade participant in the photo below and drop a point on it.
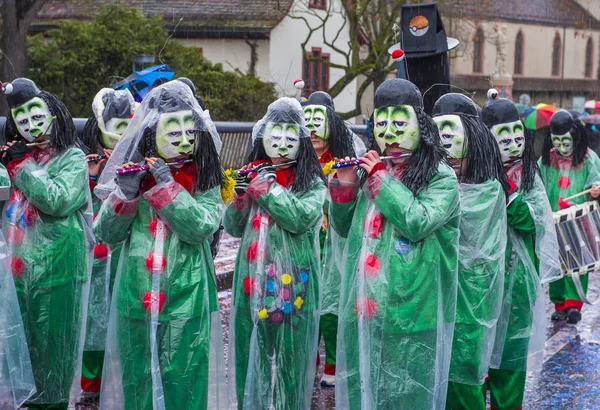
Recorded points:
(112, 112)
(47, 223)
(531, 248)
(331, 138)
(398, 295)
(275, 299)
(476, 161)
(568, 167)
(164, 344)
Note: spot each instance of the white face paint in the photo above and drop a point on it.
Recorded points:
(452, 135)
(282, 140)
(511, 140)
(175, 134)
(114, 129)
(563, 144)
(33, 119)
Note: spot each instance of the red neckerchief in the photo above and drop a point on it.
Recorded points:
(185, 176)
(564, 163)
(326, 157)
(396, 170)
(42, 157)
(284, 177)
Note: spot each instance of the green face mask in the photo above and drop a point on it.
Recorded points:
(511, 140)
(315, 117)
(175, 134)
(282, 140)
(563, 144)
(114, 129)
(33, 119)
(397, 125)
(452, 135)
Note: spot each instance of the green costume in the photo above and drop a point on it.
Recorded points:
(47, 231)
(275, 301)
(562, 180)
(399, 290)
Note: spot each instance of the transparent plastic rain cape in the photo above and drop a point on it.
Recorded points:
(98, 105)
(164, 345)
(480, 280)
(275, 298)
(398, 296)
(521, 329)
(16, 376)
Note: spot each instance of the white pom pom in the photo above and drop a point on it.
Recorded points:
(7, 88)
(492, 94)
(299, 83)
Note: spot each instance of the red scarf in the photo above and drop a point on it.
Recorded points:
(284, 176)
(185, 176)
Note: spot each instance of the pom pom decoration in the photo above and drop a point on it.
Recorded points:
(249, 286)
(398, 55)
(299, 83)
(150, 298)
(156, 262)
(303, 101)
(563, 203)
(17, 266)
(7, 88)
(228, 187)
(100, 251)
(327, 170)
(564, 182)
(367, 307)
(492, 94)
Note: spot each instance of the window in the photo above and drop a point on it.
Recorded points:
(317, 4)
(589, 58)
(315, 71)
(519, 53)
(478, 42)
(556, 55)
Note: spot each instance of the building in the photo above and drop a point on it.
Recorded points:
(553, 47)
(263, 36)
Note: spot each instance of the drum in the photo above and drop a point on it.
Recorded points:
(578, 232)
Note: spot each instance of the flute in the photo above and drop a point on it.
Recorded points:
(31, 145)
(147, 167)
(96, 159)
(338, 165)
(249, 170)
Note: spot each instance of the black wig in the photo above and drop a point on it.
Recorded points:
(340, 137)
(423, 163)
(562, 122)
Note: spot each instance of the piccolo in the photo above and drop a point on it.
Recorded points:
(358, 161)
(147, 167)
(96, 159)
(250, 170)
(31, 145)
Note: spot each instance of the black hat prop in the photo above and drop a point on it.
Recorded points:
(454, 104)
(321, 98)
(190, 84)
(499, 111)
(19, 91)
(116, 106)
(563, 121)
(397, 91)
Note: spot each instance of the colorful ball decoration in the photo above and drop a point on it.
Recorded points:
(564, 182)
(299, 83)
(398, 54)
(150, 297)
(7, 88)
(303, 101)
(156, 262)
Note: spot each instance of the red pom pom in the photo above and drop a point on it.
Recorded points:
(150, 297)
(156, 262)
(398, 54)
(17, 266)
(372, 265)
(256, 222)
(376, 226)
(367, 307)
(153, 227)
(564, 182)
(249, 286)
(563, 203)
(30, 213)
(100, 251)
(15, 235)
(252, 252)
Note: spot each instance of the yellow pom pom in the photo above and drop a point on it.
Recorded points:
(262, 314)
(286, 278)
(227, 189)
(299, 302)
(327, 168)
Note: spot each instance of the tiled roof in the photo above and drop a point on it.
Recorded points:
(555, 12)
(244, 13)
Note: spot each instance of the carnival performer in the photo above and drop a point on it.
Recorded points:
(164, 347)
(112, 112)
(475, 158)
(530, 260)
(331, 138)
(274, 318)
(398, 297)
(568, 167)
(47, 222)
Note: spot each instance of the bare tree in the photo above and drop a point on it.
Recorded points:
(17, 16)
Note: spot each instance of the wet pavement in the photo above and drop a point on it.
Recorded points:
(570, 378)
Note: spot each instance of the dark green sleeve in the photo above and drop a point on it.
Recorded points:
(236, 215)
(519, 217)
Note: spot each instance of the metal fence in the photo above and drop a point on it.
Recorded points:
(236, 138)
